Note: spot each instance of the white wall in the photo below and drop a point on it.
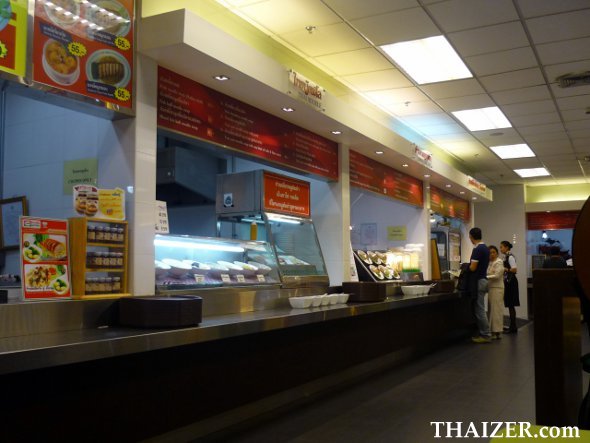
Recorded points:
(39, 137)
(504, 219)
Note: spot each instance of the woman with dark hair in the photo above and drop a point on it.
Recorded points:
(511, 298)
(495, 276)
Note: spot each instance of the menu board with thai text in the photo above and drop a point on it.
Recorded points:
(538, 221)
(286, 195)
(44, 258)
(366, 173)
(85, 47)
(189, 108)
(13, 36)
(446, 204)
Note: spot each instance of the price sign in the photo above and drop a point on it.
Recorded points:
(122, 94)
(122, 43)
(162, 226)
(78, 49)
(225, 278)
(261, 278)
(240, 278)
(199, 278)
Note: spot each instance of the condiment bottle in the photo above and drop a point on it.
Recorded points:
(119, 259)
(99, 233)
(91, 233)
(108, 237)
(116, 284)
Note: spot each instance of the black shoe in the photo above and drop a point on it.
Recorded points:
(507, 328)
(510, 331)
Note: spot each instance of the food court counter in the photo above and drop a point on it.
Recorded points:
(198, 374)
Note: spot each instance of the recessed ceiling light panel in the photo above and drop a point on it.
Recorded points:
(483, 118)
(428, 60)
(287, 109)
(521, 150)
(532, 172)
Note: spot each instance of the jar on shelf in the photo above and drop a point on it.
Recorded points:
(88, 288)
(90, 259)
(108, 236)
(99, 234)
(100, 259)
(108, 285)
(119, 259)
(102, 284)
(120, 235)
(116, 284)
(112, 259)
(91, 233)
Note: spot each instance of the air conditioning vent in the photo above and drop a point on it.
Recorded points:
(571, 80)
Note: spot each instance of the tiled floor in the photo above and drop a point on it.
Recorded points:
(464, 382)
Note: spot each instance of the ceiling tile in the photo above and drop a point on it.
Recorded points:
(535, 8)
(564, 51)
(540, 129)
(551, 146)
(532, 93)
(509, 137)
(513, 80)
(372, 81)
(557, 27)
(456, 88)
(528, 108)
(466, 102)
(456, 15)
(542, 151)
(409, 24)
(536, 119)
(295, 15)
(399, 95)
(442, 129)
(351, 10)
(417, 108)
(577, 117)
(559, 157)
(464, 137)
(326, 40)
(504, 61)
(355, 62)
(577, 102)
(523, 163)
(569, 92)
(489, 39)
(579, 133)
(239, 3)
(582, 144)
(436, 119)
(534, 134)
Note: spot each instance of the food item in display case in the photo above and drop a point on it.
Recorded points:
(197, 268)
(376, 272)
(216, 269)
(382, 256)
(387, 272)
(291, 260)
(261, 268)
(247, 269)
(61, 66)
(178, 268)
(364, 257)
(161, 269)
(375, 259)
(232, 268)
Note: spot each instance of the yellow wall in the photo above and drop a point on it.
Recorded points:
(554, 193)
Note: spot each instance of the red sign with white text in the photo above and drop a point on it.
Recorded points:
(286, 195)
(538, 221)
(44, 258)
(373, 176)
(85, 47)
(448, 205)
(189, 108)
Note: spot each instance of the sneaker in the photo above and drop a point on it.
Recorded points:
(496, 336)
(481, 339)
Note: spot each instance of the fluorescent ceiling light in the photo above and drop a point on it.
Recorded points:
(521, 150)
(428, 60)
(532, 172)
(483, 118)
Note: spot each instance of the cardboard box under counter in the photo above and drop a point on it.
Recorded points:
(161, 312)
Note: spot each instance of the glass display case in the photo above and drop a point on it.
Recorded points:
(293, 240)
(185, 262)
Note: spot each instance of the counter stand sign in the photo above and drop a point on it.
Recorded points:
(44, 258)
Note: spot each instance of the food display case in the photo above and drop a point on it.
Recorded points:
(264, 206)
(387, 266)
(186, 262)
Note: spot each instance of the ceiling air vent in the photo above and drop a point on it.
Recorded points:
(570, 80)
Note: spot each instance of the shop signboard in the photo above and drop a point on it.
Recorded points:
(538, 221)
(476, 185)
(447, 205)
(79, 172)
(371, 175)
(85, 48)
(13, 36)
(423, 157)
(286, 195)
(189, 108)
(397, 233)
(93, 202)
(306, 91)
(44, 258)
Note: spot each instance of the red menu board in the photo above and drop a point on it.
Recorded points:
(448, 205)
(373, 176)
(44, 258)
(85, 47)
(189, 108)
(538, 221)
(286, 195)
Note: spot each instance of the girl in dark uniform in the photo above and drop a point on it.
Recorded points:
(511, 299)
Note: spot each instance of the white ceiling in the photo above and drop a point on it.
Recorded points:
(515, 49)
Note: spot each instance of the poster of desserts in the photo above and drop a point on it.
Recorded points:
(93, 202)
(13, 36)
(44, 258)
(85, 47)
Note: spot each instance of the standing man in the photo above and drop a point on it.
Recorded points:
(480, 258)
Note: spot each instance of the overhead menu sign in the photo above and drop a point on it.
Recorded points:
(189, 108)
(286, 195)
(13, 36)
(85, 47)
(448, 205)
(373, 176)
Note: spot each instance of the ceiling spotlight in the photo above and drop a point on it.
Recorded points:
(426, 175)
(336, 132)
(379, 152)
(448, 185)
(544, 235)
(311, 29)
(221, 77)
(473, 198)
(405, 165)
(288, 109)
(462, 192)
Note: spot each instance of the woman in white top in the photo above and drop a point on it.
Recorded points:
(495, 276)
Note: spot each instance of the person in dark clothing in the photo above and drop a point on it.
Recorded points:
(478, 267)
(555, 260)
(511, 296)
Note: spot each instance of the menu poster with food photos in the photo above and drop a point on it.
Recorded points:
(85, 47)
(45, 267)
(13, 36)
(90, 201)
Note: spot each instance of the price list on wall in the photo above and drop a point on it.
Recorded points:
(189, 108)
(448, 205)
(85, 47)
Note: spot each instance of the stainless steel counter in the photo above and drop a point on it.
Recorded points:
(28, 352)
